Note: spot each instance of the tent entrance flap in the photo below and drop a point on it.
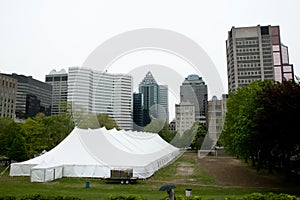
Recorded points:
(45, 174)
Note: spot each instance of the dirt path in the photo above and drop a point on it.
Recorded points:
(229, 171)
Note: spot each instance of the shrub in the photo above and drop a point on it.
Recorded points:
(39, 197)
(131, 197)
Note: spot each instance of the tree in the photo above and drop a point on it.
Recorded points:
(262, 123)
(34, 133)
(105, 121)
(18, 151)
(161, 127)
(238, 132)
(200, 132)
(7, 133)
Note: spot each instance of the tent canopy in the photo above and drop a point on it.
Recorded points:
(94, 152)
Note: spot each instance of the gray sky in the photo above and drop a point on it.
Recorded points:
(37, 36)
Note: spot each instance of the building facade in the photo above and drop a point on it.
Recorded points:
(32, 96)
(137, 113)
(8, 90)
(151, 98)
(164, 102)
(256, 53)
(59, 82)
(92, 91)
(216, 115)
(185, 116)
(194, 91)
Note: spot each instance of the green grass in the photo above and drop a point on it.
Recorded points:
(196, 181)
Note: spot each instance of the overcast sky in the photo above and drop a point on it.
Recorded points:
(38, 36)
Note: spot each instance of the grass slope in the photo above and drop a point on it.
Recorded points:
(184, 173)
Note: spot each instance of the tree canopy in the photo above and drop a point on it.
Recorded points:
(161, 127)
(262, 123)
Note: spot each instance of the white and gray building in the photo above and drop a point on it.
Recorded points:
(184, 116)
(164, 102)
(59, 82)
(256, 53)
(92, 91)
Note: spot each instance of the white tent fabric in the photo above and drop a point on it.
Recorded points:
(94, 152)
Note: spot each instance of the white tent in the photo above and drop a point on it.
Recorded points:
(94, 152)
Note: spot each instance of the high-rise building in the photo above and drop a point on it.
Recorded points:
(184, 116)
(164, 102)
(216, 115)
(8, 89)
(256, 53)
(33, 96)
(137, 113)
(92, 91)
(59, 82)
(194, 91)
(151, 98)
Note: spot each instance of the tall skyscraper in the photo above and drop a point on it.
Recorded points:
(164, 102)
(33, 96)
(256, 53)
(137, 113)
(194, 91)
(8, 90)
(59, 82)
(151, 98)
(92, 91)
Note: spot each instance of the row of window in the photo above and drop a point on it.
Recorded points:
(248, 65)
(244, 50)
(249, 73)
(254, 57)
(246, 42)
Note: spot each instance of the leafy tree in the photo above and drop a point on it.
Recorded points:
(7, 133)
(200, 132)
(261, 123)
(100, 120)
(192, 137)
(238, 132)
(18, 151)
(34, 132)
(105, 121)
(161, 127)
(57, 128)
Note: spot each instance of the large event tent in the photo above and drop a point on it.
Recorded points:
(94, 152)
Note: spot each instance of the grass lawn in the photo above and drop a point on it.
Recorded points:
(184, 173)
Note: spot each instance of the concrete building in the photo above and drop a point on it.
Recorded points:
(256, 53)
(8, 90)
(216, 115)
(59, 82)
(32, 97)
(194, 91)
(184, 116)
(164, 102)
(92, 91)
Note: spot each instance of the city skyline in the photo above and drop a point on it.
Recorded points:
(36, 39)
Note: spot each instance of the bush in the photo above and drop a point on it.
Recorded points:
(179, 197)
(131, 197)
(268, 196)
(39, 197)
(7, 198)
